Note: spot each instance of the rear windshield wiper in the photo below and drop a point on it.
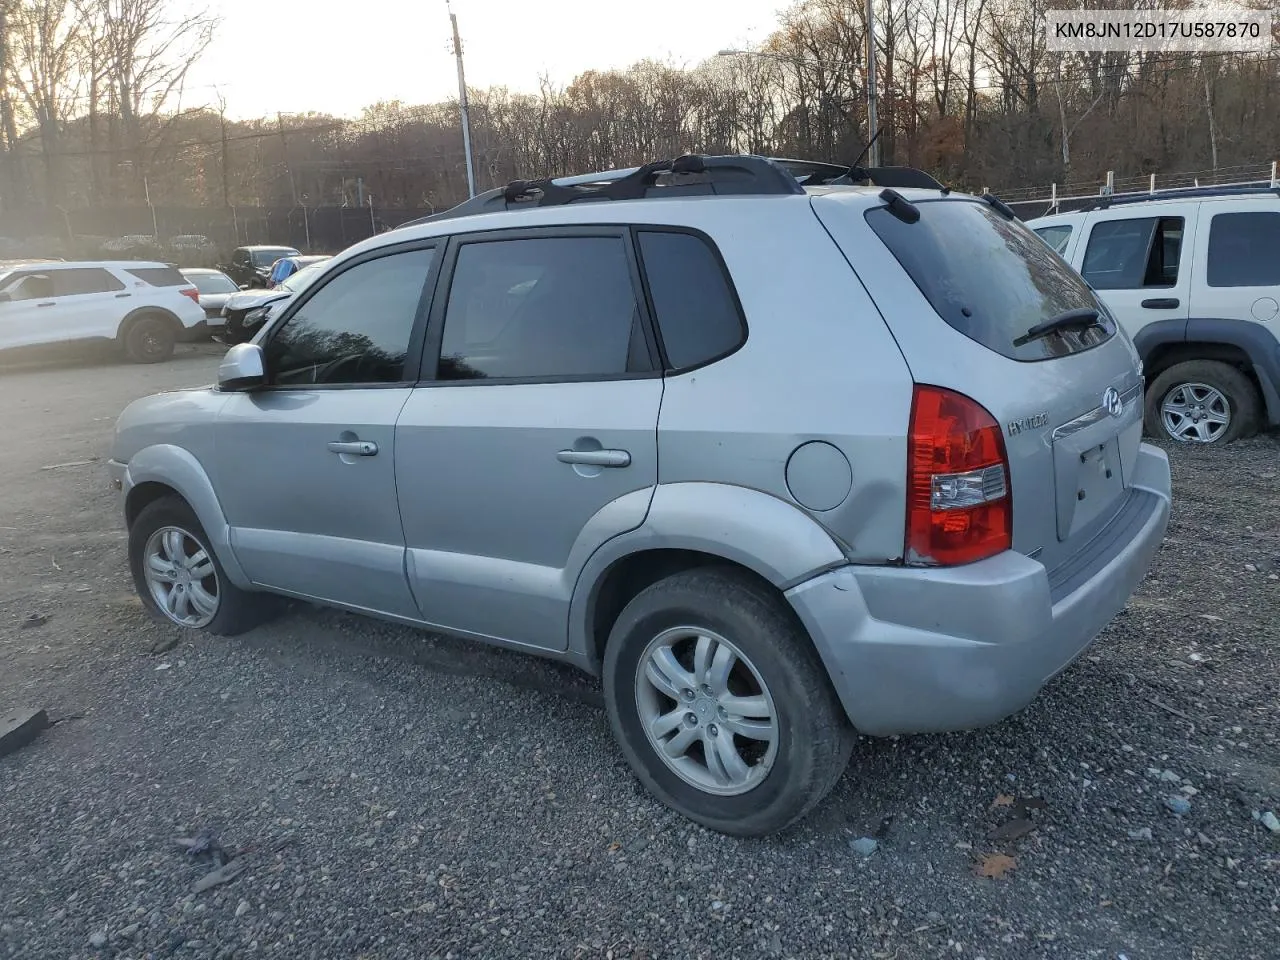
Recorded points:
(1081, 318)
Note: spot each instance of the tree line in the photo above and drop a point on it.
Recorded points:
(94, 111)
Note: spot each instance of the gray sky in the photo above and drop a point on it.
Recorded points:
(399, 50)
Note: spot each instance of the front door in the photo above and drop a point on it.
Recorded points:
(306, 466)
(1139, 261)
(537, 441)
(29, 315)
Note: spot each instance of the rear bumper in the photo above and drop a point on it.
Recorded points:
(930, 650)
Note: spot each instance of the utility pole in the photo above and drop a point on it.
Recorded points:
(284, 148)
(462, 100)
(873, 122)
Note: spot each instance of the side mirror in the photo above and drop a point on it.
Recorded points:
(244, 286)
(242, 368)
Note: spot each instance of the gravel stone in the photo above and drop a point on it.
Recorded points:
(516, 820)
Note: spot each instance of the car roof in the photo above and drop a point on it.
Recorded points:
(267, 246)
(81, 264)
(201, 270)
(1131, 202)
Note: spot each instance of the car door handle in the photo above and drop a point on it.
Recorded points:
(121, 296)
(596, 458)
(354, 448)
(1161, 303)
(47, 303)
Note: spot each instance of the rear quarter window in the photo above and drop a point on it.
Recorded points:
(990, 278)
(697, 310)
(160, 276)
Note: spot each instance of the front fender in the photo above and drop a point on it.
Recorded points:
(755, 530)
(179, 470)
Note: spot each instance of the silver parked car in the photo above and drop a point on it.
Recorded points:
(778, 454)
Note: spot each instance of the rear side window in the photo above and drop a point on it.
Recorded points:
(990, 278)
(160, 276)
(1133, 254)
(1056, 236)
(697, 312)
(540, 308)
(69, 283)
(1244, 250)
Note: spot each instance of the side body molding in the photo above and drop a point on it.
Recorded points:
(178, 468)
(757, 530)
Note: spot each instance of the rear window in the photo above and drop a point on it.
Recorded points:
(213, 283)
(161, 276)
(990, 278)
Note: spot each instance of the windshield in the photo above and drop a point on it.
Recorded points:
(213, 283)
(265, 258)
(990, 278)
(299, 280)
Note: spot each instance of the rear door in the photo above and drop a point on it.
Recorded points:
(1139, 261)
(960, 288)
(533, 438)
(1237, 252)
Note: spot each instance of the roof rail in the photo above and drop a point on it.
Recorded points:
(1178, 193)
(688, 175)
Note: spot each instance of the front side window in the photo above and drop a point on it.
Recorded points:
(542, 308)
(1244, 250)
(356, 328)
(1133, 254)
(1056, 236)
(29, 286)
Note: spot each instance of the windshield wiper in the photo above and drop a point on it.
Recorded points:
(1081, 318)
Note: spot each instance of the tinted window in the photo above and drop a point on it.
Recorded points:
(356, 328)
(1056, 236)
(553, 307)
(990, 278)
(696, 311)
(1244, 250)
(265, 258)
(1132, 254)
(69, 283)
(161, 276)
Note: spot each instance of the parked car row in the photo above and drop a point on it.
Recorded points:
(778, 455)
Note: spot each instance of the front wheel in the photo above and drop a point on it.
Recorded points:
(150, 340)
(1202, 401)
(179, 578)
(720, 704)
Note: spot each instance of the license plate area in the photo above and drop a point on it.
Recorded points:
(1089, 476)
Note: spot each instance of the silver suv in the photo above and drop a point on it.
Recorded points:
(779, 455)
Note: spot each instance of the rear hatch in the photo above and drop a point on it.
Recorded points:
(960, 287)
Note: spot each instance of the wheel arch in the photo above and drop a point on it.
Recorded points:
(1248, 346)
(164, 469)
(141, 313)
(691, 525)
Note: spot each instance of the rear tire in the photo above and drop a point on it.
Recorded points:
(170, 557)
(150, 339)
(685, 740)
(1202, 402)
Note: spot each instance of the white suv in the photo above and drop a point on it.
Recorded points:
(1194, 277)
(144, 307)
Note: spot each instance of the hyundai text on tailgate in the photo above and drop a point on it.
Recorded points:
(782, 451)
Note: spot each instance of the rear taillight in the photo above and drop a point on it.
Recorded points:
(191, 292)
(959, 507)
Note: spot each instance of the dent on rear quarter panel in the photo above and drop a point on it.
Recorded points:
(818, 364)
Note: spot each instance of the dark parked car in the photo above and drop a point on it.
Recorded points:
(251, 266)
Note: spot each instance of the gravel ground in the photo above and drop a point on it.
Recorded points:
(400, 795)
